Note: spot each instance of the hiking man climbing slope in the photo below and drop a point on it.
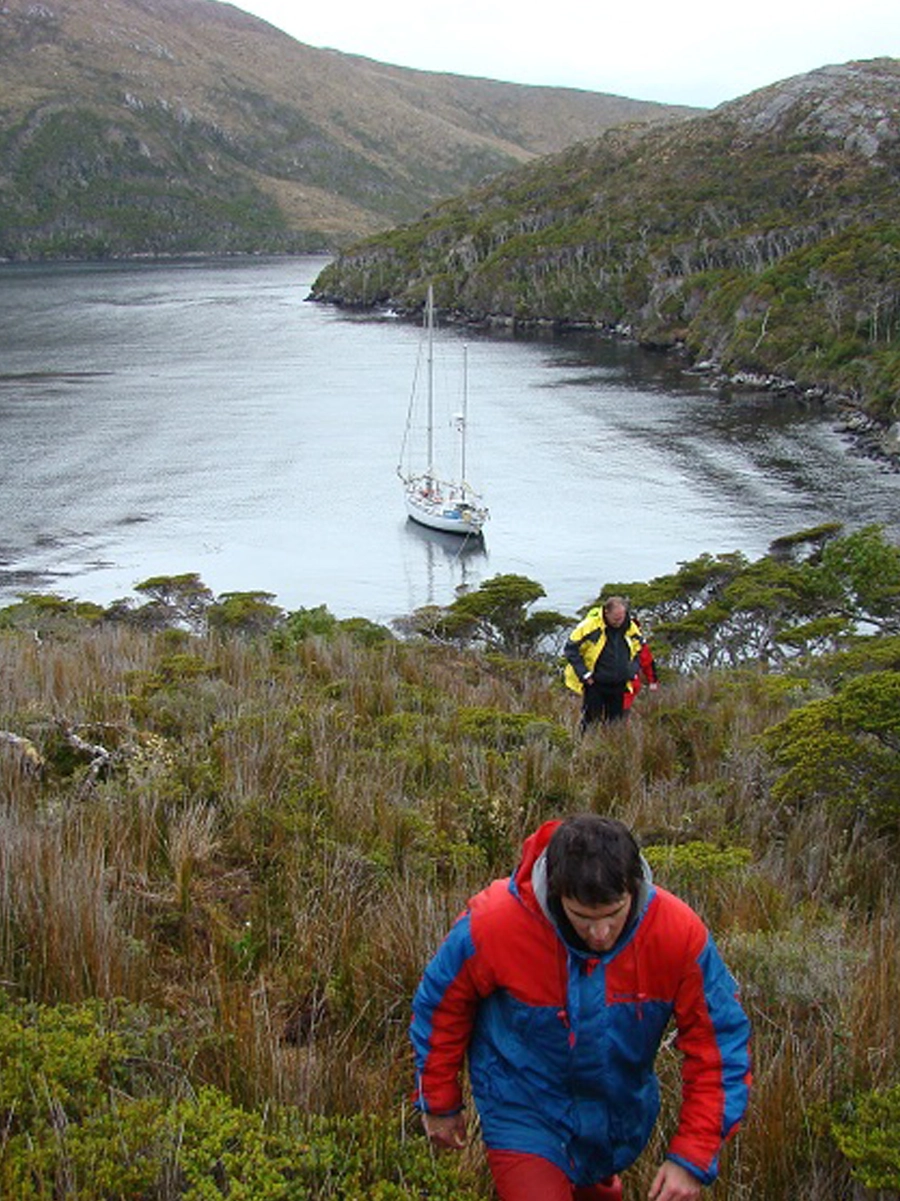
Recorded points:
(558, 983)
(605, 654)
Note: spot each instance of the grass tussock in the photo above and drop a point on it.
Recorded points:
(276, 838)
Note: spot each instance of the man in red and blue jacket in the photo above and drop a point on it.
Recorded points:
(558, 984)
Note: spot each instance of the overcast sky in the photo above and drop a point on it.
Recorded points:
(692, 52)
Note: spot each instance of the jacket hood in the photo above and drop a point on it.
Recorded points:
(534, 848)
(529, 880)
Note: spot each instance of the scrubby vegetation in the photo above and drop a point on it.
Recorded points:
(230, 837)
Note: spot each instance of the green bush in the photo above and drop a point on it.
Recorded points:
(692, 859)
(508, 731)
(306, 623)
(844, 750)
(364, 632)
(95, 1108)
(866, 1131)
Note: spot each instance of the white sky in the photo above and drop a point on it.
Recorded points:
(693, 52)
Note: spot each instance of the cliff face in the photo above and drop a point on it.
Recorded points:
(165, 126)
(763, 236)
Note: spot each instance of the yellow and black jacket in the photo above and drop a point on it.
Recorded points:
(588, 639)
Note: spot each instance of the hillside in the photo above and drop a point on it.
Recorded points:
(762, 237)
(171, 126)
(232, 838)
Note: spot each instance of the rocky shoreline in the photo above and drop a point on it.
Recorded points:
(870, 438)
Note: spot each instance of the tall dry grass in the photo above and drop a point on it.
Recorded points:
(281, 839)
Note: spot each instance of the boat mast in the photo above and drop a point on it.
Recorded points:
(429, 320)
(464, 419)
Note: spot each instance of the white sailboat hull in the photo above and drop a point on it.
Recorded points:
(441, 508)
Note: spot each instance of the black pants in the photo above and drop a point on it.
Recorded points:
(602, 702)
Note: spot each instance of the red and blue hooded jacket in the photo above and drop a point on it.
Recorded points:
(561, 1042)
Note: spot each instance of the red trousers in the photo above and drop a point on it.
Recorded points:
(521, 1177)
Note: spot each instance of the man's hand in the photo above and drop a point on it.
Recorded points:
(446, 1131)
(674, 1183)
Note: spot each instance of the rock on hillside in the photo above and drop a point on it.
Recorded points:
(165, 126)
(851, 106)
(763, 237)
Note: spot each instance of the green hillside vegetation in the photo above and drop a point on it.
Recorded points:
(762, 238)
(232, 836)
(176, 126)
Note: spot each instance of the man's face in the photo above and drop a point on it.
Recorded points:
(598, 926)
(616, 615)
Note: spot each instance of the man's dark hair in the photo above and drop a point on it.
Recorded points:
(593, 859)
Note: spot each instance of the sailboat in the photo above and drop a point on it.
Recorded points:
(449, 505)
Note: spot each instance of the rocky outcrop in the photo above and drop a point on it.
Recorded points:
(872, 439)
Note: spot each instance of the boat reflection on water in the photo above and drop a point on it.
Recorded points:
(453, 564)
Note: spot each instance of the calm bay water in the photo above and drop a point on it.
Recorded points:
(203, 416)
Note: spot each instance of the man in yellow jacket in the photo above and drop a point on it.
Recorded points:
(605, 653)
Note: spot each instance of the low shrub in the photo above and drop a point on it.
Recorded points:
(866, 1132)
(97, 1104)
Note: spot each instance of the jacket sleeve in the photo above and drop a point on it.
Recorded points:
(714, 1039)
(576, 668)
(444, 1009)
(572, 652)
(648, 667)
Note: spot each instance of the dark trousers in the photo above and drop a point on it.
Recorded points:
(602, 702)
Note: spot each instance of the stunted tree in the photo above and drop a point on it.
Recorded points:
(176, 600)
(247, 613)
(496, 615)
(859, 576)
(812, 593)
(697, 584)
